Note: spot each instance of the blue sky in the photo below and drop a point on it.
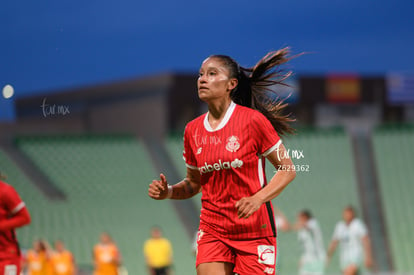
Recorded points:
(48, 45)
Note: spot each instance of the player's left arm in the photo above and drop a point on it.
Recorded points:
(248, 205)
(366, 243)
(18, 215)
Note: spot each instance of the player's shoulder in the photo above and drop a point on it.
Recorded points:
(249, 111)
(313, 224)
(357, 223)
(195, 122)
(251, 116)
(67, 253)
(6, 188)
(148, 243)
(4, 185)
(30, 253)
(166, 241)
(340, 225)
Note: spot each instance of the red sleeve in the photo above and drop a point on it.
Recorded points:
(267, 139)
(12, 200)
(188, 153)
(17, 213)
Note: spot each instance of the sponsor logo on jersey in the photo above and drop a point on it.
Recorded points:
(269, 270)
(266, 254)
(220, 165)
(232, 144)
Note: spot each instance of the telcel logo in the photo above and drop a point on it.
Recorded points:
(220, 166)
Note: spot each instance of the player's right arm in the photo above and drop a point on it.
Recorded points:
(331, 250)
(334, 242)
(187, 188)
(281, 221)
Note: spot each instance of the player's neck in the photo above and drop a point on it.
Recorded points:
(216, 111)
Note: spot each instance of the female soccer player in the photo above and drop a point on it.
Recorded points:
(106, 256)
(225, 151)
(62, 260)
(352, 236)
(312, 260)
(158, 253)
(38, 259)
(13, 214)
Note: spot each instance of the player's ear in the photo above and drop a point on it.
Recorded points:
(232, 84)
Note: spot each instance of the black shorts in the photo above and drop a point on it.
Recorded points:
(161, 270)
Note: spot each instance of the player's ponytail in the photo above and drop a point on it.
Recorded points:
(257, 84)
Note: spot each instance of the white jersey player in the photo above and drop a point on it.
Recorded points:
(312, 260)
(352, 236)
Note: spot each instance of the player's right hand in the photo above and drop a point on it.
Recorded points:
(158, 189)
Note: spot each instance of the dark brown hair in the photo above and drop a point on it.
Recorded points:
(255, 83)
(351, 209)
(306, 213)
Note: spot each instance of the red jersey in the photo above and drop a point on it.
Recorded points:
(10, 204)
(231, 162)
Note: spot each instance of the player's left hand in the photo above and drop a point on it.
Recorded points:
(247, 206)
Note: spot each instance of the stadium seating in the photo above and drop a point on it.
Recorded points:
(326, 188)
(394, 155)
(106, 180)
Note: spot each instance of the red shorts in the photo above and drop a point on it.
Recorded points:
(10, 266)
(257, 256)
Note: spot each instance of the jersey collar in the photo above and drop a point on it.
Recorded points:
(223, 123)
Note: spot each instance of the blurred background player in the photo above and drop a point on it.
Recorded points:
(37, 260)
(312, 260)
(106, 256)
(13, 214)
(224, 151)
(62, 260)
(282, 223)
(352, 236)
(158, 253)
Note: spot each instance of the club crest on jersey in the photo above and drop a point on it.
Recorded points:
(232, 144)
(266, 254)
